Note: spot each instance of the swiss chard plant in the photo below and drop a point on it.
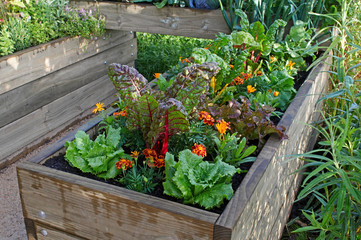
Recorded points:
(161, 114)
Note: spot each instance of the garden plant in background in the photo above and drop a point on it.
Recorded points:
(28, 23)
(333, 170)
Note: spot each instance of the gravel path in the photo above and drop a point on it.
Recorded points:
(12, 225)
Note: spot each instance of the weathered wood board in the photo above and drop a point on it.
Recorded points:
(94, 210)
(258, 209)
(35, 94)
(169, 20)
(38, 101)
(30, 64)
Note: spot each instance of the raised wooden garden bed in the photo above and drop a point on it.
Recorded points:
(167, 20)
(45, 88)
(61, 205)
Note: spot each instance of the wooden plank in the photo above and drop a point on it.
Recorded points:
(27, 65)
(95, 210)
(44, 232)
(240, 215)
(30, 229)
(58, 115)
(169, 20)
(31, 96)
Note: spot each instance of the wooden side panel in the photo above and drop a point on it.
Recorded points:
(56, 115)
(35, 62)
(31, 96)
(167, 20)
(95, 210)
(264, 193)
(44, 232)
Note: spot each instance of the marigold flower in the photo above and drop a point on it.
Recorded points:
(250, 89)
(273, 59)
(222, 126)
(232, 66)
(276, 93)
(159, 161)
(206, 117)
(134, 154)
(259, 73)
(238, 81)
(156, 75)
(124, 164)
(270, 90)
(199, 150)
(121, 113)
(98, 107)
(246, 76)
(290, 64)
(185, 60)
(149, 153)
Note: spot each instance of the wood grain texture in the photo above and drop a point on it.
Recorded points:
(186, 22)
(55, 115)
(27, 65)
(83, 207)
(33, 95)
(262, 195)
(44, 232)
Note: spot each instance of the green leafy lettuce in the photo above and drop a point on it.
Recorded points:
(97, 157)
(197, 181)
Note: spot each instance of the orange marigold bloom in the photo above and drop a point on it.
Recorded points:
(149, 153)
(238, 81)
(231, 66)
(98, 107)
(124, 164)
(276, 93)
(206, 117)
(273, 59)
(156, 75)
(246, 76)
(259, 73)
(222, 126)
(290, 64)
(250, 89)
(199, 150)
(121, 113)
(159, 161)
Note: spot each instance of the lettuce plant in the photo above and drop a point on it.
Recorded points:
(197, 181)
(161, 114)
(97, 157)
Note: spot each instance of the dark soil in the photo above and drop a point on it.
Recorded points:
(59, 163)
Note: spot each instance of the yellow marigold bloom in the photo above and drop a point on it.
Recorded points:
(250, 89)
(273, 59)
(134, 154)
(156, 75)
(98, 107)
(199, 150)
(222, 126)
(276, 93)
(290, 64)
